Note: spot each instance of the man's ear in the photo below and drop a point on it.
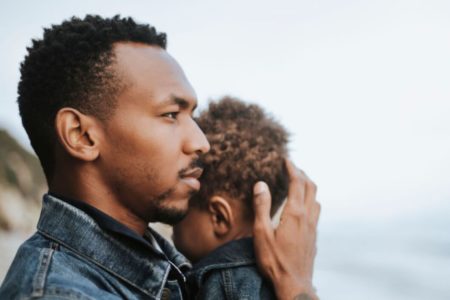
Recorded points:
(78, 134)
(222, 216)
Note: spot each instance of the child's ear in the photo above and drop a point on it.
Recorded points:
(222, 217)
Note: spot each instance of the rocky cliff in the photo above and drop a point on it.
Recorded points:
(22, 184)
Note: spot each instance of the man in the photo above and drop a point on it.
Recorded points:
(109, 113)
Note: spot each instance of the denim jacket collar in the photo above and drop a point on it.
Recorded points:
(144, 268)
(233, 254)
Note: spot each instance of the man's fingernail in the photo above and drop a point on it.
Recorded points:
(260, 188)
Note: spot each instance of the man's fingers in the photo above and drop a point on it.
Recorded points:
(310, 191)
(263, 232)
(261, 205)
(315, 213)
(286, 255)
(296, 194)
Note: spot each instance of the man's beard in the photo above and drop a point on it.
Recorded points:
(171, 215)
(167, 215)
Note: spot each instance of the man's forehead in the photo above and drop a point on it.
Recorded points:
(131, 56)
(152, 71)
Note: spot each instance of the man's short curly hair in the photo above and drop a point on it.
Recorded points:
(247, 146)
(71, 66)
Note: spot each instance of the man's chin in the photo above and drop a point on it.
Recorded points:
(169, 216)
(172, 206)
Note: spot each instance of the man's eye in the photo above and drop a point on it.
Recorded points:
(171, 115)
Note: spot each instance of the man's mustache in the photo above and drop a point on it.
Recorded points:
(196, 163)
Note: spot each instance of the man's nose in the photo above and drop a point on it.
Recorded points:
(196, 141)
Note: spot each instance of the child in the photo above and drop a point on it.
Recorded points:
(246, 146)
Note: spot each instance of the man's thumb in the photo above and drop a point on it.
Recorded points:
(261, 203)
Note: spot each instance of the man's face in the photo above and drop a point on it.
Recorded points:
(151, 143)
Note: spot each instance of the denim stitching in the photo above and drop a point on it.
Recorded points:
(202, 271)
(41, 275)
(166, 276)
(227, 284)
(85, 257)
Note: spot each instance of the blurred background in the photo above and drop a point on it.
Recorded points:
(363, 86)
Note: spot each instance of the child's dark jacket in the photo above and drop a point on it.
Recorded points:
(229, 272)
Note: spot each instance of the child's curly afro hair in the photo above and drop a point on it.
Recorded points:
(247, 146)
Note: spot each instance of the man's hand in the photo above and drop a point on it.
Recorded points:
(286, 254)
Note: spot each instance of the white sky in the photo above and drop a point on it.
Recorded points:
(362, 85)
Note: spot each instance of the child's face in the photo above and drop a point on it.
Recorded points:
(194, 235)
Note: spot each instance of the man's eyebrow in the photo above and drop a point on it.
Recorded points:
(183, 103)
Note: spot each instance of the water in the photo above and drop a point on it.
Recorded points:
(407, 259)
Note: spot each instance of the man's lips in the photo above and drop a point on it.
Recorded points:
(191, 177)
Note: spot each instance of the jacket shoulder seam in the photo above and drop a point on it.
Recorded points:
(45, 259)
(227, 283)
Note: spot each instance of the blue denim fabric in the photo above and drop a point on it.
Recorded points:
(229, 272)
(71, 257)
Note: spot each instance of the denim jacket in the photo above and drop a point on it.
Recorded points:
(230, 273)
(71, 257)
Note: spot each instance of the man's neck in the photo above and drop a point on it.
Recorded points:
(101, 201)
